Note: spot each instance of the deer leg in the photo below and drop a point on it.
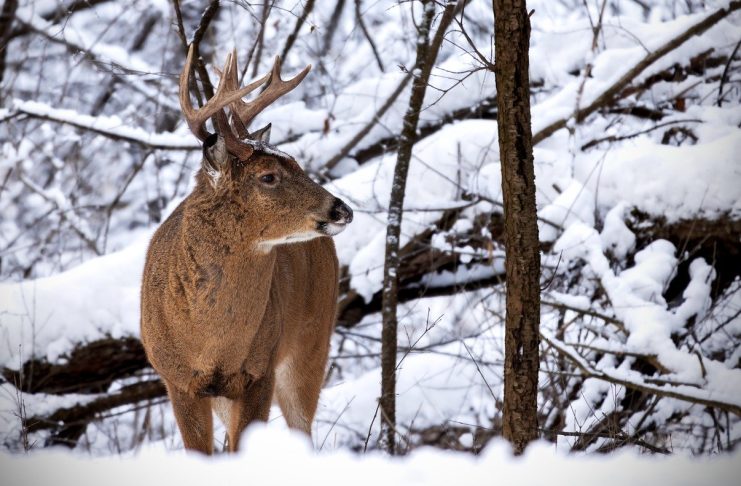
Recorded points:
(193, 415)
(253, 405)
(299, 381)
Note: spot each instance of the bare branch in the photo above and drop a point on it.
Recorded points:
(297, 28)
(723, 77)
(364, 29)
(680, 392)
(347, 148)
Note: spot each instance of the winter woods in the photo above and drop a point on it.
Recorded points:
(635, 132)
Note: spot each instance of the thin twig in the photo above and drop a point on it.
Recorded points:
(724, 76)
(345, 150)
(364, 29)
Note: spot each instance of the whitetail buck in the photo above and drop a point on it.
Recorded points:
(231, 313)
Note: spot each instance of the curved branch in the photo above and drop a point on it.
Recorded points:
(609, 95)
(684, 393)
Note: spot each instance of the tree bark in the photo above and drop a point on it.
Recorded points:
(522, 262)
(7, 15)
(425, 59)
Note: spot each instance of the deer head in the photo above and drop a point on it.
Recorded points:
(249, 176)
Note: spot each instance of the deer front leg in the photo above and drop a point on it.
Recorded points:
(193, 415)
(253, 405)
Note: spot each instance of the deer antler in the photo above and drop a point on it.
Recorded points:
(246, 111)
(228, 93)
(224, 96)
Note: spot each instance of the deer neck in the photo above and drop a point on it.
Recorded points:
(221, 257)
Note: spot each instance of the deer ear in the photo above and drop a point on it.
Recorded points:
(215, 157)
(263, 134)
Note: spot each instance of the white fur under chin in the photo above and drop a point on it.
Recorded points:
(268, 245)
(335, 229)
(332, 229)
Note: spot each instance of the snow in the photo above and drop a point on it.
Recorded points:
(576, 203)
(615, 235)
(636, 297)
(705, 177)
(45, 317)
(283, 458)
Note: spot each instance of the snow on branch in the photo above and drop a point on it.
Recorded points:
(99, 54)
(620, 377)
(108, 126)
(609, 95)
(66, 212)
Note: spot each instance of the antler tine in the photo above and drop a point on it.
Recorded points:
(233, 84)
(276, 87)
(223, 97)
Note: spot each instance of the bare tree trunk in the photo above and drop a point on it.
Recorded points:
(332, 25)
(7, 14)
(426, 55)
(521, 361)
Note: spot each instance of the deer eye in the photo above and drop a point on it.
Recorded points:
(268, 179)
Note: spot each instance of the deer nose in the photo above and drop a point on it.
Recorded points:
(340, 212)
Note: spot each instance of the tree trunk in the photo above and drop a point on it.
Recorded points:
(522, 264)
(425, 59)
(7, 15)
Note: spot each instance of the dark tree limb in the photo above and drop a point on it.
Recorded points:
(203, 24)
(332, 25)
(486, 109)
(90, 368)
(297, 28)
(260, 41)
(724, 76)
(7, 14)
(618, 138)
(361, 23)
(68, 424)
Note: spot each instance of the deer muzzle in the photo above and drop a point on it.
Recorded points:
(340, 215)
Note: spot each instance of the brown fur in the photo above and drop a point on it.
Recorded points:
(230, 315)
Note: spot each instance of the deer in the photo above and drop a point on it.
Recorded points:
(240, 284)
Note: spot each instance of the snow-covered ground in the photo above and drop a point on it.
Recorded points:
(280, 458)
